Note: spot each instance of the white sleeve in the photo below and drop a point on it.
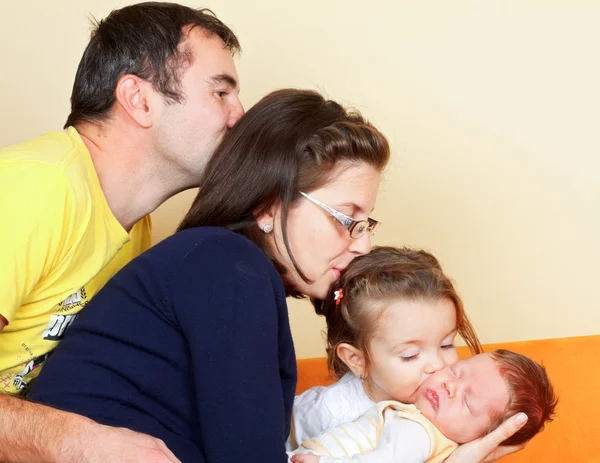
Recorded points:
(310, 417)
(402, 441)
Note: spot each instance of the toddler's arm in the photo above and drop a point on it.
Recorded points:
(310, 417)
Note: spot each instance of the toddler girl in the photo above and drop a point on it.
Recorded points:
(391, 323)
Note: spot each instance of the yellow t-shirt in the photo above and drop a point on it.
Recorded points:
(59, 244)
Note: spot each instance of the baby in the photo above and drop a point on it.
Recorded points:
(456, 404)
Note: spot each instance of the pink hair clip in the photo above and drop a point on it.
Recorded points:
(337, 296)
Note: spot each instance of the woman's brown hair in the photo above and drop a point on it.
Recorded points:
(290, 141)
(370, 281)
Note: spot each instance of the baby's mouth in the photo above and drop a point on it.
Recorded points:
(433, 398)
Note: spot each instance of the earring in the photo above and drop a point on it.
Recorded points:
(268, 228)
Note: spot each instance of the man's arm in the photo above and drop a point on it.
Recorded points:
(31, 432)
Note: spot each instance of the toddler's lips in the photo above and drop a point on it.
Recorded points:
(433, 398)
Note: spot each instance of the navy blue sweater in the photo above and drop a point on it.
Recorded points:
(189, 343)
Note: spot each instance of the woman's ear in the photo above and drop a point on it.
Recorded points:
(353, 358)
(266, 219)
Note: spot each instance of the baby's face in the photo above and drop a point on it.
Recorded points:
(463, 400)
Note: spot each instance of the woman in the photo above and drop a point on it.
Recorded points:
(191, 341)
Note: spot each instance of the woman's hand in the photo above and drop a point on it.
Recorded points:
(305, 458)
(487, 449)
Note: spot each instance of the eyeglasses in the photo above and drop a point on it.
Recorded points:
(356, 228)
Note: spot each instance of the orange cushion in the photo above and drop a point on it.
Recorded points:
(574, 369)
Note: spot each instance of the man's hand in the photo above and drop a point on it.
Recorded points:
(488, 449)
(31, 432)
(99, 444)
(305, 458)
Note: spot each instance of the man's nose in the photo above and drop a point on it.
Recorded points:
(236, 112)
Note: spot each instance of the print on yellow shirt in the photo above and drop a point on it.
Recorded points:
(55, 331)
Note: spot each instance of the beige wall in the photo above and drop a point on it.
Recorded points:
(492, 109)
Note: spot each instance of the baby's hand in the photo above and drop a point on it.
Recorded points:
(305, 458)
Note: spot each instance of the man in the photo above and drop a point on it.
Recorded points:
(154, 93)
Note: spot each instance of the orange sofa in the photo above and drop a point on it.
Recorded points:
(573, 365)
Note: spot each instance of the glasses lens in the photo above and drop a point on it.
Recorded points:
(373, 226)
(359, 229)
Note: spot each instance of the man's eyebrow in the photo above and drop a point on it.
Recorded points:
(224, 78)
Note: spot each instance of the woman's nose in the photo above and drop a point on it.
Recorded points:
(362, 245)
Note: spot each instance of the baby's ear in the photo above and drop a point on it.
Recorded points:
(353, 358)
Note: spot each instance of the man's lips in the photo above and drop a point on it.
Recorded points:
(433, 398)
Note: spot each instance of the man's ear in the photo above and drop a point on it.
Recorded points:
(133, 94)
(353, 358)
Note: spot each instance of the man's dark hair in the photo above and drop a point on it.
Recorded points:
(143, 40)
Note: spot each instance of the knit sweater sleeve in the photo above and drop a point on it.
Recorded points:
(400, 441)
(230, 304)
